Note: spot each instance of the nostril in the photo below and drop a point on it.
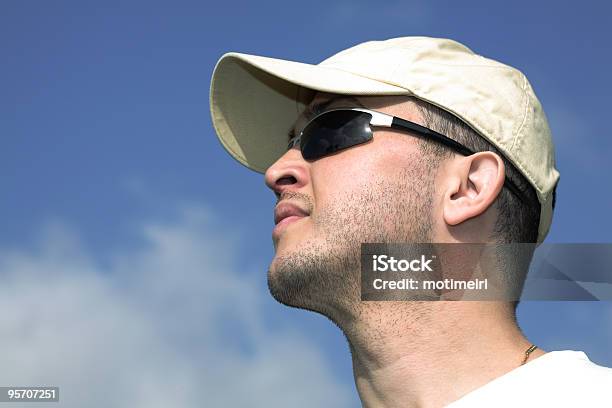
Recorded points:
(283, 181)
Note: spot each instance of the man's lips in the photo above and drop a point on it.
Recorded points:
(286, 213)
(285, 210)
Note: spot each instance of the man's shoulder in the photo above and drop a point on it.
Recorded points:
(576, 373)
(558, 378)
(569, 363)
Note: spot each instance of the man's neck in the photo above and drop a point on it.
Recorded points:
(429, 354)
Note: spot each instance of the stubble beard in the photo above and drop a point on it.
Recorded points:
(323, 273)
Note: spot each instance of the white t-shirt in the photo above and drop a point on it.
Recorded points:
(556, 379)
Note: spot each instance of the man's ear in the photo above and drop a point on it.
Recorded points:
(476, 182)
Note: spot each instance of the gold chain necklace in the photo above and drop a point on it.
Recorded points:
(528, 352)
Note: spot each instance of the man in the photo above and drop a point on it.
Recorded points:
(360, 169)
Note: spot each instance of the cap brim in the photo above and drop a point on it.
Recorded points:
(254, 101)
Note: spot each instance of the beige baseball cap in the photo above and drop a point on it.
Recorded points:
(255, 100)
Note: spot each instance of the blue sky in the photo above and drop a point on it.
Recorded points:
(123, 218)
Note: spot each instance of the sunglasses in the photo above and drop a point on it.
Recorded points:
(338, 129)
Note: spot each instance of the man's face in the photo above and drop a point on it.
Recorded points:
(380, 191)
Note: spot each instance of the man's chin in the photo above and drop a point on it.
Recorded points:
(294, 278)
(307, 279)
(283, 272)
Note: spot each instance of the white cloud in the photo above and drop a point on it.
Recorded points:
(170, 323)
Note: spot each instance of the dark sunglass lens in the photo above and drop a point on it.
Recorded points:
(333, 131)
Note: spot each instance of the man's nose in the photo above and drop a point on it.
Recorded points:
(289, 172)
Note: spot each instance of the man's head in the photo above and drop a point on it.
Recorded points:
(398, 187)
